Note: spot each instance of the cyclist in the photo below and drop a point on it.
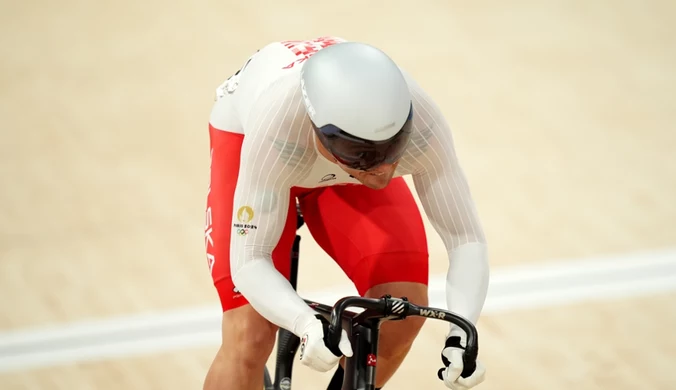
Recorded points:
(334, 124)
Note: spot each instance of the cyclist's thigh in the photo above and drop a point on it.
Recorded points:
(375, 236)
(225, 157)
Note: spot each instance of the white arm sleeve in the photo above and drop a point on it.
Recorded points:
(447, 205)
(273, 157)
(447, 201)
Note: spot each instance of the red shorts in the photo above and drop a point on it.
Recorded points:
(375, 236)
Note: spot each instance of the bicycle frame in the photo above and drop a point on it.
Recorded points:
(362, 331)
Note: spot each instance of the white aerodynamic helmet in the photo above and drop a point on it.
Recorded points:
(359, 104)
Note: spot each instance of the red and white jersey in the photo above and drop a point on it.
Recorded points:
(264, 102)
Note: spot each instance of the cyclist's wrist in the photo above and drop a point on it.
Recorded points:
(467, 280)
(303, 322)
(455, 330)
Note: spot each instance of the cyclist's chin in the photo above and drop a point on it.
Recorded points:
(377, 178)
(375, 182)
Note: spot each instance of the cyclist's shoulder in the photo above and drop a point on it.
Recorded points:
(278, 110)
(431, 136)
(428, 116)
(269, 102)
(277, 128)
(425, 106)
(279, 63)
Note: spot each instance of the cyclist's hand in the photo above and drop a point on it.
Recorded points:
(314, 352)
(452, 359)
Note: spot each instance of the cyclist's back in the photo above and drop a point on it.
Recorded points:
(272, 72)
(264, 101)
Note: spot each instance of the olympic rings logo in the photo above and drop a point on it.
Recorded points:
(242, 232)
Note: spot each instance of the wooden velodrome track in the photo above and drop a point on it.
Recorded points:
(564, 117)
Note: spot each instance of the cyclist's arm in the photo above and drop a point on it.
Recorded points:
(445, 196)
(447, 203)
(253, 272)
(271, 162)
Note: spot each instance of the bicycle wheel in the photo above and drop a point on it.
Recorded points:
(267, 380)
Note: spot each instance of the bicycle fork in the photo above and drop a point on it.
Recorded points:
(360, 369)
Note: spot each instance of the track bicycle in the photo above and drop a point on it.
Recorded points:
(362, 329)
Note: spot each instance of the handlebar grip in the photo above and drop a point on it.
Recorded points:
(470, 355)
(335, 327)
(471, 351)
(469, 365)
(333, 338)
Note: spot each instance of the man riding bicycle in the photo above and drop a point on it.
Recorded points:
(335, 125)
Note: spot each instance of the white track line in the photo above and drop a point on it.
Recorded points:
(511, 288)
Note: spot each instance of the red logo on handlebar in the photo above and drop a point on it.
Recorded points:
(371, 360)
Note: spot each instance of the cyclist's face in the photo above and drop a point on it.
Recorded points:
(375, 178)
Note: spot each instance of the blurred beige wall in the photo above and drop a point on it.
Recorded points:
(563, 114)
